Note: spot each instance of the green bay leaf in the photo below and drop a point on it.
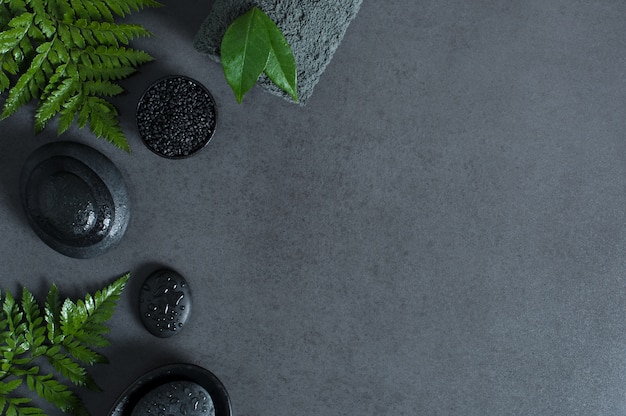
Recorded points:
(281, 65)
(245, 49)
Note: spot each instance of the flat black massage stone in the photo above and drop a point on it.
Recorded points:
(75, 199)
(176, 398)
(175, 389)
(164, 303)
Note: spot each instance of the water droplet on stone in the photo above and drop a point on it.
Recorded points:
(182, 399)
(165, 310)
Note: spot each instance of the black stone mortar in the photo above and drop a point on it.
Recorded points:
(176, 117)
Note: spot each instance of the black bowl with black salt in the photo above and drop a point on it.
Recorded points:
(176, 117)
(175, 389)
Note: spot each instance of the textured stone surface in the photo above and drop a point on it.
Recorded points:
(178, 398)
(439, 231)
(165, 303)
(313, 29)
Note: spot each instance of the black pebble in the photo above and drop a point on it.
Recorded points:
(176, 117)
(176, 398)
(164, 303)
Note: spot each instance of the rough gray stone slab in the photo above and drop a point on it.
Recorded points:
(313, 29)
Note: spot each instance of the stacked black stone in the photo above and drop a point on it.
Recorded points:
(176, 117)
(176, 398)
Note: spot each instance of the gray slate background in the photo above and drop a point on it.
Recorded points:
(439, 231)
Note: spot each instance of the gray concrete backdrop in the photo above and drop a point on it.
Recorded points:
(439, 231)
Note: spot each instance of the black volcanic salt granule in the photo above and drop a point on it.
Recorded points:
(176, 117)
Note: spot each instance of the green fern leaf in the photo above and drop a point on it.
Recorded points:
(9, 39)
(71, 370)
(30, 308)
(5, 15)
(83, 320)
(7, 388)
(104, 10)
(91, 339)
(83, 353)
(124, 7)
(101, 72)
(54, 100)
(29, 334)
(29, 84)
(79, 8)
(103, 121)
(12, 314)
(110, 34)
(35, 332)
(10, 65)
(93, 310)
(55, 393)
(68, 113)
(102, 88)
(4, 82)
(39, 36)
(61, 10)
(117, 57)
(15, 407)
(53, 313)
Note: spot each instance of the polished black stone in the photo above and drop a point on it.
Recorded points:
(176, 398)
(164, 303)
(75, 199)
(131, 397)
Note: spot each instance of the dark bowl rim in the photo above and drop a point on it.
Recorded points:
(210, 136)
(169, 373)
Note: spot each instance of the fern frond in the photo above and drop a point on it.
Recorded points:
(124, 7)
(56, 393)
(75, 317)
(16, 407)
(111, 34)
(70, 369)
(114, 57)
(53, 313)
(39, 36)
(55, 97)
(5, 15)
(9, 39)
(102, 88)
(67, 114)
(103, 121)
(31, 309)
(17, 6)
(12, 314)
(42, 18)
(8, 387)
(80, 12)
(35, 332)
(29, 84)
(102, 72)
(91, 339)
(5, 82)
(83, 353)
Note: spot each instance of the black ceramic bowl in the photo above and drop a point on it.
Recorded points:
(75, 199)
(172, 373)
(176, 117)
